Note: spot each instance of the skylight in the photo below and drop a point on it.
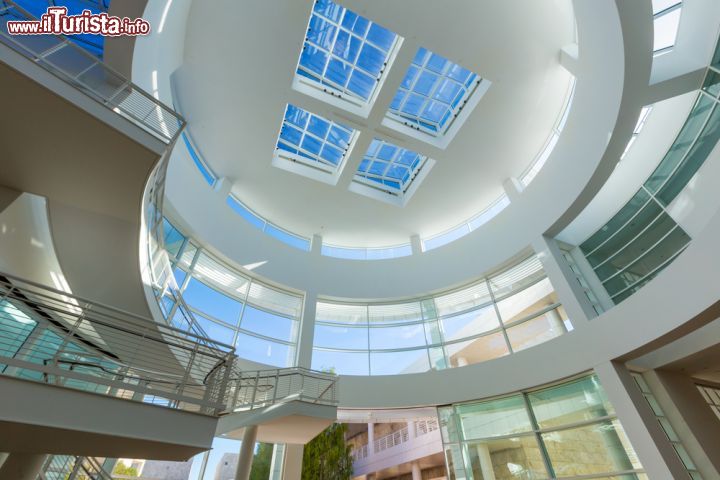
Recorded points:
(345, 54)
(313, 141)
(391, 171)
(432, 93)
(666, 22)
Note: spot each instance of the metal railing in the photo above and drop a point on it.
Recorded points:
(392, 439)
(51, 336)
(87, 73)
(69, 467)
(160, 268)
(262, 388)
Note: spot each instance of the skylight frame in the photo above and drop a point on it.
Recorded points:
(306, 162)
(320, 86)
(394, 189)
(451, 108)
(442, 131)
(663, 14)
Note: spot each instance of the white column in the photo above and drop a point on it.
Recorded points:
(411, 429)
(415, 244)
(556, 321)
(292, 468)
(486, 466)
(461, 361)
(307, 330)
(247, 449)
(371, 439)
(416, 472)
(647, 437)
(22, 466)
(513, 188)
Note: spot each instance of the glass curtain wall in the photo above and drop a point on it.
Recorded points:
(566, 431)
(498, 315)
(261, 321)
(641, 239)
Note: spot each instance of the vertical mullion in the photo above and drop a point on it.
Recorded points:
(497, 312)
(538, 437)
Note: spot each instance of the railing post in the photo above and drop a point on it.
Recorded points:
(224, 385)
(257, 380)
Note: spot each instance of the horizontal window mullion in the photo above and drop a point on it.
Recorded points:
(662, 265)
(533, 315)
(626, 223)
(627, 244)
(690, 147)
(641, 256)
(265, 337)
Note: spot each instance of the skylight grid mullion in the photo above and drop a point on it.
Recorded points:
(331, 55)
(312, 156)
(306, 132)
(390, 163)
(411, 89)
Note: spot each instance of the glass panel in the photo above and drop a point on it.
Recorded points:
(337, 52)
(470, 323)
(572, 402)
(448, 425)
(346, 337)
(661, 253)
(536, 331)
(397, 337)
(477, 350)
(526, 302)
(517, 277)
(666, 29)
(637, 247)
(694, 159)
(432, 92)
(494, 418)
(173, 238)
(210, 301)
(517, 457)
(215, 330)
(712, 83)
(682, 143)
(593, 449)
(268, 324)
(393, 363)
(15, 327)
(625, 234)
(341, 363)
(454, 462)
(264, 351)
(388, 165)
(637, 202)
(43, 349)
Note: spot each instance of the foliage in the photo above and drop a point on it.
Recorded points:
(261, 462)
(327, 456)
(122, 469)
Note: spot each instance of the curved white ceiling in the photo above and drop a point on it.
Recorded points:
(236, 80)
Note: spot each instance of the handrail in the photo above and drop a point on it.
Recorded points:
(75, 343)
(88, 74)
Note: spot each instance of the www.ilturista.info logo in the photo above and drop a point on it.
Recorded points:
(57, 22)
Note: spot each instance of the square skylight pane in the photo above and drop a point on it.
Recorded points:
(344, 52)
(389, 167)
(313, 140)
(432, 93)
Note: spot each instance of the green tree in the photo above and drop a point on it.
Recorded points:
(122, 469)
(327, 456)
(261, 462)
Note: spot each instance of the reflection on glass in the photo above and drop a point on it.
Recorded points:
(516, 457)
(597, 448)
(527, 301)
(393, 363)
(571, 402)
(538, 330)
(494, 418)
(477, 350)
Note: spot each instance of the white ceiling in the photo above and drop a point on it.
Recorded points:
(236, 81)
